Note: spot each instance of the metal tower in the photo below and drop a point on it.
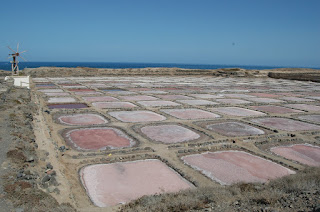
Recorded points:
(14, 62)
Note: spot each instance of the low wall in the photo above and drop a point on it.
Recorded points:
(20, 81)
(314, 77)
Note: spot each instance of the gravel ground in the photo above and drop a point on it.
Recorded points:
(20, 174)
(5, 142)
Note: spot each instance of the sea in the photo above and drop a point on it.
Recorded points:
(114, 65)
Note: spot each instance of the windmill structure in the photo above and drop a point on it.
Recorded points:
(14, 62)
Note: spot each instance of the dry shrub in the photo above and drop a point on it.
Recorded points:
(308, 179)
(16, 155)
(236, 197)
(16, 187)
(23, 194)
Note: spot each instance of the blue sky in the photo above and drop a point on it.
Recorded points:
(240, 32)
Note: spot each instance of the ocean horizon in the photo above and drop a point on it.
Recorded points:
(119, 65)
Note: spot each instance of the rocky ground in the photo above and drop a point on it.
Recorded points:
(24, 173)
(285, 73)
(4, 73)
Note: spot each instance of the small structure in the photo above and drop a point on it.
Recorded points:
(14, 62)
(19, 81)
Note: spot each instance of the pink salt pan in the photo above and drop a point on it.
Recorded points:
(113, 105)
(84, 93)
(275, 109)
(197, 102)
(237, 111)
(100, 99)
(297, 99)
(169, 133)
(265, 100)
(313, 118)
(97, 138)
(82, 119)
(67, 106)
(74, 86)
(80, 90)
(285, 124)
(119, 183)
(173, 97)
(207, 96)
(121, 92)
(137, 116)
(190, 114)
(303, 153)
(51, 90)
(229, 167)
(234, 129)
(58, 94)
(153, 92)
(157, 103)
(138, 98)
(313, 108)
(265, 95)
(233, 101)
(238, 96)
(61, 99)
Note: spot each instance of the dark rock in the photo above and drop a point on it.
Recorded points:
(47, 111)
(62, 148)
(53, 181)
(19, 175)
(30, 159)
(46, 178)
(56, 190)
(28, 177)
(49, 166)
(316, 208)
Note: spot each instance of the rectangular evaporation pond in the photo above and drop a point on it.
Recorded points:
(67, 106)
(264, 95)
(50, 90)
(303, 153)
(57, 94)
(174, 97)
(45, 85)
(313, 108)
(80, 90)
(112, 90)
(69, 84)
(285, 124)
(128, 181)
(265, 100)
(275, 109)
(229, 167)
